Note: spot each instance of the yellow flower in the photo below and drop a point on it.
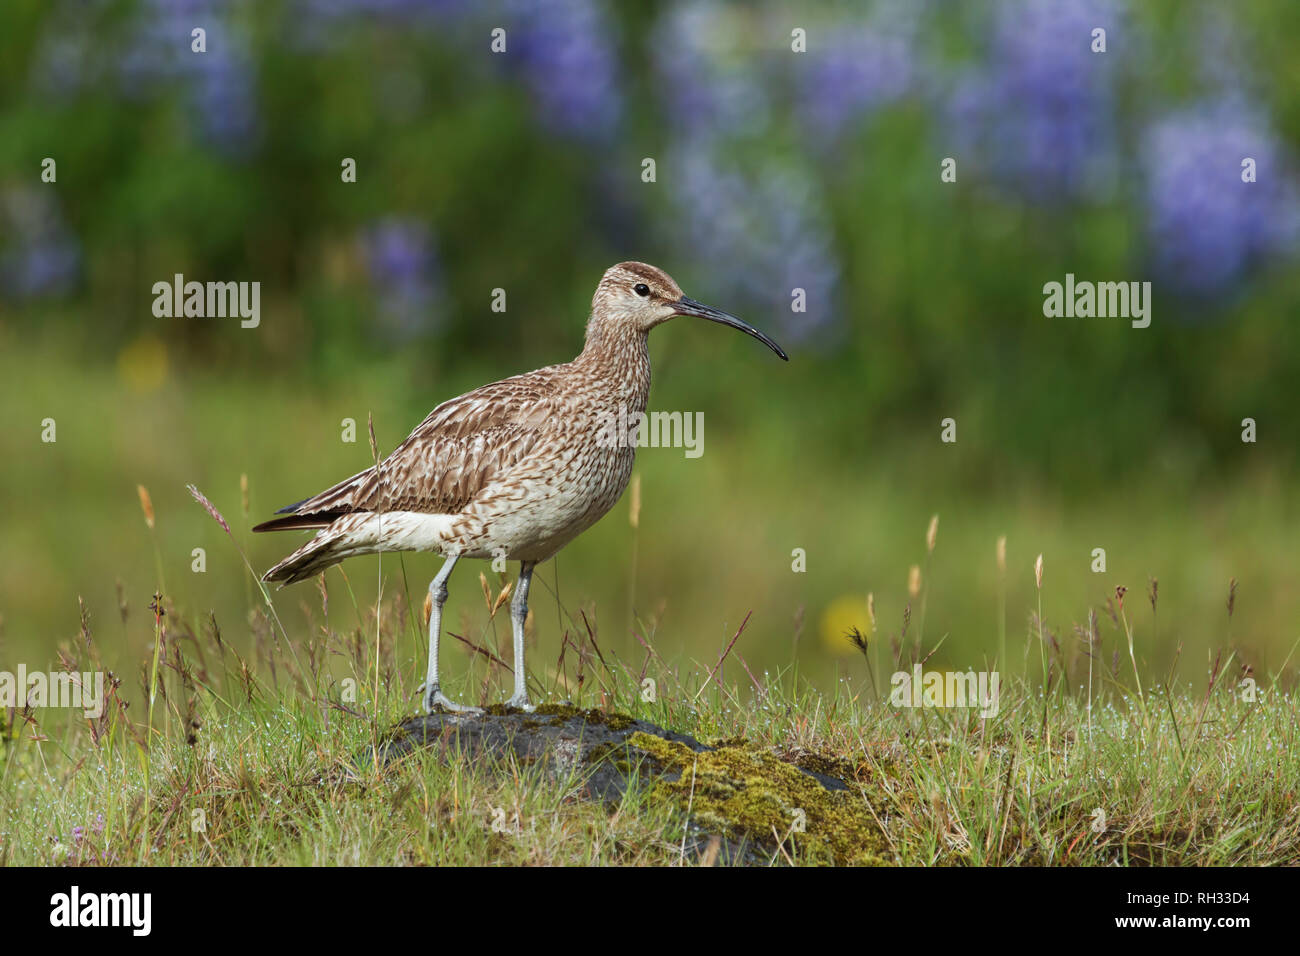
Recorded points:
(142, 365)
(839, 618)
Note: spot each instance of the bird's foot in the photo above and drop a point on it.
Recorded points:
(434, 697)
(520, 701)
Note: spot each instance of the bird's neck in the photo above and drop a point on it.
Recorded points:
(617, 356)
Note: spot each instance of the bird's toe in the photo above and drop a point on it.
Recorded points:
(438, 701)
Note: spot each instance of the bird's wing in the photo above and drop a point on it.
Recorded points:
(451, 456)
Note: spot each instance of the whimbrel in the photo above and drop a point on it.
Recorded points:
(516, 469)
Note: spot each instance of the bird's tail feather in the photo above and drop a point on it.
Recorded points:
(341, 540)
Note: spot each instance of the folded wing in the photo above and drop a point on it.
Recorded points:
(460, 448)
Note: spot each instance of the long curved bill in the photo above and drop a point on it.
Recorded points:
(686, 306)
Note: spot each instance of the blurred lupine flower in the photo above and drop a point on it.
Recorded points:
(39, 255)
(403, 268)
(397, 10)
(319, 26)
(223, 91)
(1222, 54)
(63, 62)
(763, 234)
(1207, 227)
(1039, 112)
(218, 82)
(859, 66)
(566, 53)
(761, 237)
(563, 49)
(159, 42)
(709, 84)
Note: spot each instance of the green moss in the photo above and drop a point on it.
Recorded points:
(745, 791)
(837, 767)
(614, 722)
(619, 756)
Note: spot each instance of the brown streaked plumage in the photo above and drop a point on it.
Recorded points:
(516, 469)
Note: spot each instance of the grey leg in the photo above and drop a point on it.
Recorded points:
(433, 695)
(519, 614)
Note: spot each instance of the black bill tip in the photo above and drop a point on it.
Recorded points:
(687, 306)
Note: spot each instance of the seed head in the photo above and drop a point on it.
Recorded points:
(501, 599)
(914, 580)
(1002, 554)
(146, 505)
(857, 639)
(932, 533)
(1038, 572)
(210, 508)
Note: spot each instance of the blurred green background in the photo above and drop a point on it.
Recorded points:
(775, 170)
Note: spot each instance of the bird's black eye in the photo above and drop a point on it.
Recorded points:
(641, 289)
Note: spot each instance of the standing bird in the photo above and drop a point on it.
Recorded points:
(516, 469)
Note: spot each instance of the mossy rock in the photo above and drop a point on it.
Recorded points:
(561, 737)
(748, 793)
(758, 804)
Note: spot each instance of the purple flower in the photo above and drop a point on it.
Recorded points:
(159, 47)
(63, 61)
(1039, 113)
(709, 84)
(40, 255)
(859, 66)
(219, 82)
(762, 237)
(1207, 227)
(567, 57)
(398, 11)
(403, 267)
(762, 228)
(222, 91)
(1222, 54)
(561, 49)
(320, 26)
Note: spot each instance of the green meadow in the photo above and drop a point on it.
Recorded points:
(953, 471)
(717, 537)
